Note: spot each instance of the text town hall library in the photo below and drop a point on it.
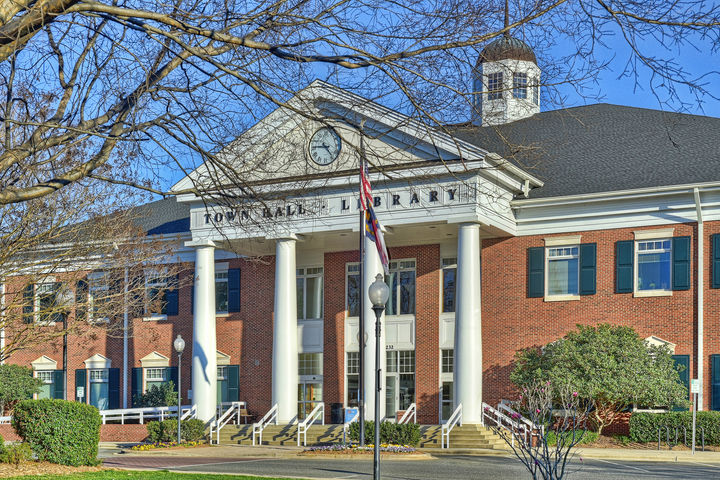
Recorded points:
(503, 233)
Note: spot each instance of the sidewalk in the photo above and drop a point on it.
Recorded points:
(631, 454)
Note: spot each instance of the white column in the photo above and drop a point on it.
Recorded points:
(371, 268)
(467, 378)
(204, 350)
(285, 349)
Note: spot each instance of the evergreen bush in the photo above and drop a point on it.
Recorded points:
(393, 433)
(192, 430)
(16, 454)
(59, 431)
(164, 395)
(644, 426)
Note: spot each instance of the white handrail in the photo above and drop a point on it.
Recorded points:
(346, 425)
(269, 417)
(192, 413)
(455, 418)
(6, 419)
(410, 412)
(223, 420)
(309, 420)
(515, 415)
(141, 414)
(505, 422)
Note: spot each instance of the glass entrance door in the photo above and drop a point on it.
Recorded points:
(309, 395)
(400, 378)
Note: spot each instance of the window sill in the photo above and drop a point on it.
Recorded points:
(154, 318)
(561, 298)
(221, 314)
(653, 293)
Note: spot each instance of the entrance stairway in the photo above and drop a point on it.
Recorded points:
(465, 437)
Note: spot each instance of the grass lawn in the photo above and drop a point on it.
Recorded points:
(146, 475)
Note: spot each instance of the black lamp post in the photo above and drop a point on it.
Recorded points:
(378, 293)
(179, 345)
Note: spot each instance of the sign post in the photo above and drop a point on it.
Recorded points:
(695, 390)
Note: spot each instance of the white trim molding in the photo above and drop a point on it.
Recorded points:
(97, 361)
(44, 363)
(654, 233)
(154, 359)
(564, 240)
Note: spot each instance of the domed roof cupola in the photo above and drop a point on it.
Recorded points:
(506, 81)
(507, 48)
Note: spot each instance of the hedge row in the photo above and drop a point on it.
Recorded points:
(59, 431)
(644, 426)
(192, 430)
(393, 433)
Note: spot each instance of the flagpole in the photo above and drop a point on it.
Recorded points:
(361, 334)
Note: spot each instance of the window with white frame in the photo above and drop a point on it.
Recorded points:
(98, 296)
(401, 281)
(520, 81)
(99, 389)
(495, 85)
(46, 376)
(309, 293)
(447, 361)
(536, 92)
(221, 291)
(155, 285)
(449, 271)
(352, 373)
(352, 280)
(155, 377)
(653, 264)
(562, 270)
(310, 364)
(41, 303)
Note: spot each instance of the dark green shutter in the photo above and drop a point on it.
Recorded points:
(536, 272)
(624, 253)
(136, 385)
(234, 290)
(171, 375)
(233, 379)
(113, 388)
(172, 298)
(588, 267)
(58, 385)
(683, 361)
(681, 263)
(28, 308)
(81, 300)
(716, 260)
(81, 381)
(715, 382)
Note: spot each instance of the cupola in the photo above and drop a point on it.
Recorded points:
(506, 83)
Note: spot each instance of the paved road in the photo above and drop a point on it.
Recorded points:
(447, 467)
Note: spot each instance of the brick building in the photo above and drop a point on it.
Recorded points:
(503, 233)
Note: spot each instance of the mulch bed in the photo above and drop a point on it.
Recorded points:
(42, 468)
(613, 442)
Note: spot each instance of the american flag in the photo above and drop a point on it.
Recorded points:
(366, 197)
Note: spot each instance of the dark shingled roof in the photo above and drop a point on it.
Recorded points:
(602, 147)
(165, 216)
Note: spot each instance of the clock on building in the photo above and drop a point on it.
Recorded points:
(324, 146)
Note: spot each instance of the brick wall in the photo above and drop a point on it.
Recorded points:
(108, 433)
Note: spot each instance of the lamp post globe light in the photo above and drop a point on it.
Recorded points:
(179, 345)
(378, 292)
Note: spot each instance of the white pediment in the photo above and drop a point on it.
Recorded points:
(155, 359)
(44, 363)
(658, 342)
(222, 358)
(97, 361)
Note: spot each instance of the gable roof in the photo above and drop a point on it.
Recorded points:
(166, 216)
(603, 147)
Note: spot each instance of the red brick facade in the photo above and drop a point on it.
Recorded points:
(510, 320)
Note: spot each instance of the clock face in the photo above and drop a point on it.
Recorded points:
(324, 146)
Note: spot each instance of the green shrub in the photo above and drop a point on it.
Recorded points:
(16, 383)
(59, 431)
(16, 453)
(193, 430)
(158, 396)
(405, 434)
(586, 436)
(2, 445)
(644, 425)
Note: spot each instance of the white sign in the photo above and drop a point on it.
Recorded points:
(695, 385)
(80, 392)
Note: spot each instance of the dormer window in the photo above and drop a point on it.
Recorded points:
(495, 81)
(520, 81)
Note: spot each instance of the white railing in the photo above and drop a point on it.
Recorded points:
(192, 413)
(222, 420)
(455, 419)
(270, 417)
(5, 420)
(508, 419)
(303, 426)
(410, 412)
(346, 425)
(142, 414)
